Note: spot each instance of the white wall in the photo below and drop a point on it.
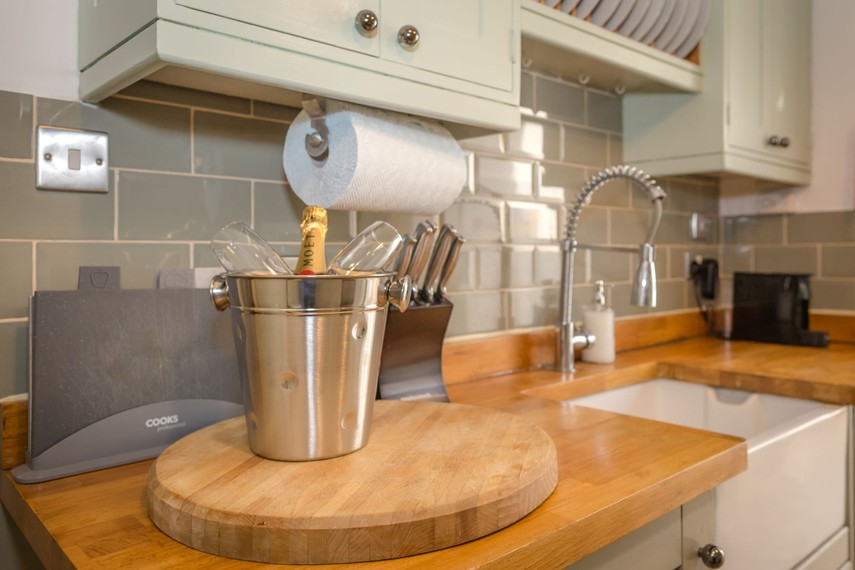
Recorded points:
(832, 185)
(38, 43)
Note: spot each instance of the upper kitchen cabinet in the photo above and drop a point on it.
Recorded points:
(751, 123)
(452, 60)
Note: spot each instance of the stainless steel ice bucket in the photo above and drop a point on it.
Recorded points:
(308, 353)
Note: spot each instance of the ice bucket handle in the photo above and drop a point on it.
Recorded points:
(219, 290)
(398, 292)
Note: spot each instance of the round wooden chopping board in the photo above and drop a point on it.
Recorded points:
(433, 475)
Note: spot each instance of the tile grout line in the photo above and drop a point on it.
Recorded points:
(192, 141)
(252, 203)
(115, 205)
(33, 268)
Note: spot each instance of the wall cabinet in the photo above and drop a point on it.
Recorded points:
(461, 64)
(752, 120)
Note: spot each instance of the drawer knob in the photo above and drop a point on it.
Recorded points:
(408, 37)
(367, 22)
(712, 556)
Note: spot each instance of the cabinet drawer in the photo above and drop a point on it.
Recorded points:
(330, 21)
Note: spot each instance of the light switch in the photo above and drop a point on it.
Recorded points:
(70, 159)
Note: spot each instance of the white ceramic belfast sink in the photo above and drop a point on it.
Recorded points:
(791, 498)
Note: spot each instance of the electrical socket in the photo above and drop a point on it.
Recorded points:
(70, 159)
(704, 273)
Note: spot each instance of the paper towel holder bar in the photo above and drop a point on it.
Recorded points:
(317, 142)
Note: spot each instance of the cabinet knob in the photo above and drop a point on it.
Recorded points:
(712, 556)
(366, 22)
(784, 142)
(774, 140)
(408, 37)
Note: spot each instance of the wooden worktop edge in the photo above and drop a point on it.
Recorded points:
(576, 540)
(42, 542)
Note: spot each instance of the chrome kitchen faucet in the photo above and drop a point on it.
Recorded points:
(644, 284)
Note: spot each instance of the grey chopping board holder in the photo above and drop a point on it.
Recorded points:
(116, 376)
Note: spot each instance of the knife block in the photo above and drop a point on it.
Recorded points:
(411, 362)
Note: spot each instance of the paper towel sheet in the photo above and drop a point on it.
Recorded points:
(378, 162)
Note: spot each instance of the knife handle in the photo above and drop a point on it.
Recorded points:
(405, 256)
(450, 264)
(437, 261)
(425, 235)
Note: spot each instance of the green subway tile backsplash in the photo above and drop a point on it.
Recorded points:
(822, 227)
(166, 206)
(604, 111)
(244, 147)
(585, 146)
(16, 116)
(183, 163)
(57, 263)
(16, 258)
(832, 295)
(559, 101)
(13, 357)
(561, 180)
(143, 135)
(753, 230)
(535, 139)
(790, 259)
(838, 261)
(517, 266)
(28, 213)
(593, 226)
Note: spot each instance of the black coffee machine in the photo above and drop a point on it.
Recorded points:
(773, 307)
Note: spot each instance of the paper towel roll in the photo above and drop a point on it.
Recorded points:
(378, 162)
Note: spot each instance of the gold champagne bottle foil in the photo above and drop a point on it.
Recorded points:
(314, 226)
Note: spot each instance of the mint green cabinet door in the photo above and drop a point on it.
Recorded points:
(474, 40)
(327, 21)
(769, 82)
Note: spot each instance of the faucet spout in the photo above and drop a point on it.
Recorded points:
(644, 284)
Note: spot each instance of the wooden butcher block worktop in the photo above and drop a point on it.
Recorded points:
(615, 473)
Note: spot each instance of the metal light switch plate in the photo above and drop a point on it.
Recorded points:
(69, 159)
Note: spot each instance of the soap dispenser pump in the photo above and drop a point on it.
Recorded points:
(599, 320)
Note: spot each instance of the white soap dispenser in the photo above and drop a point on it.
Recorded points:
(599, 319)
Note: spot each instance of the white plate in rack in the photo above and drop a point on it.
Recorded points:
(661, 22)
(585, 7)
(620, 15)
(604, 10)
(697, 31)
(634, 18)
(675, 23)
(694, 10)
(568, 5)
(647, 21)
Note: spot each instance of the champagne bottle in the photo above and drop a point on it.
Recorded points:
(314, 230)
